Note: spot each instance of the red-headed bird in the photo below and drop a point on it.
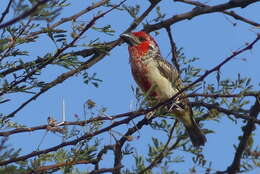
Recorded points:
(157, 77)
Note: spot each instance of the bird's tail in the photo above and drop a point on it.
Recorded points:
(196, 135)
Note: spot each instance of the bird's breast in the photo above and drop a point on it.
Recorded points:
(147, 75)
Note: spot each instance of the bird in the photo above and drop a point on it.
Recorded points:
(160, 79)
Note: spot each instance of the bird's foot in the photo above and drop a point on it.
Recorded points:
(149, 115)
(175, 106)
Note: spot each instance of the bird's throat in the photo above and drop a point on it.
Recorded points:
(139, 50)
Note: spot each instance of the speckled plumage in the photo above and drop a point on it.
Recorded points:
(151, 71)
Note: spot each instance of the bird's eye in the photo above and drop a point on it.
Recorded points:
(142, 39)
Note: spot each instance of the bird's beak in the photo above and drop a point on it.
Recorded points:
(129, 39)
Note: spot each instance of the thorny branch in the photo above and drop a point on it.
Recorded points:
(75, 141)
(132, 115)
(103, 118)
(66, 123)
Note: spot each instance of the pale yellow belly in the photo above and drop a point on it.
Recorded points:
(162, 86)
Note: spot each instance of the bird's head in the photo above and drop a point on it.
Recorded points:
(140, 43)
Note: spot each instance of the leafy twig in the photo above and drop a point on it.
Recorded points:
(24, 15)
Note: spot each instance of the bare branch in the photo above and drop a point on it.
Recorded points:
(230, 13)
(243, 94)
(3, 101)
(101, 153)
(198, 11)
(174, 50)
(105, 170)
(120, 143)
(6, 11)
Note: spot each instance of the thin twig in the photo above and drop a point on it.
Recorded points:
(59, 165)
(70, 18)
(4, 101)
(164, 151)
(106, 170)
(242, 94)
(118, 147)
(174, 50)
(226, 111)
(96, 58)
(6, 11)
(57, 54)
(24, 15)
(65, 75)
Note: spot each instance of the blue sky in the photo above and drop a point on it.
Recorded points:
(210, 37)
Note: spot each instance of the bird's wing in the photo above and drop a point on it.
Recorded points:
(169, 72)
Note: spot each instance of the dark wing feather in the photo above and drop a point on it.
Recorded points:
(169, 72)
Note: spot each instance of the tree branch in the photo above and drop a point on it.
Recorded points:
(174, 50)
(198, 11)
(105, 170)
(77, 140)
(226, 111)
(59, 165)
(96, 58)
(230, 13)
(242, 94)
(120, 143)
(202, 77)
(247, 132)
(6, 11)
(64, 76)
(164, 151)
(24, 15)
(70, 18)
(67, 123)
